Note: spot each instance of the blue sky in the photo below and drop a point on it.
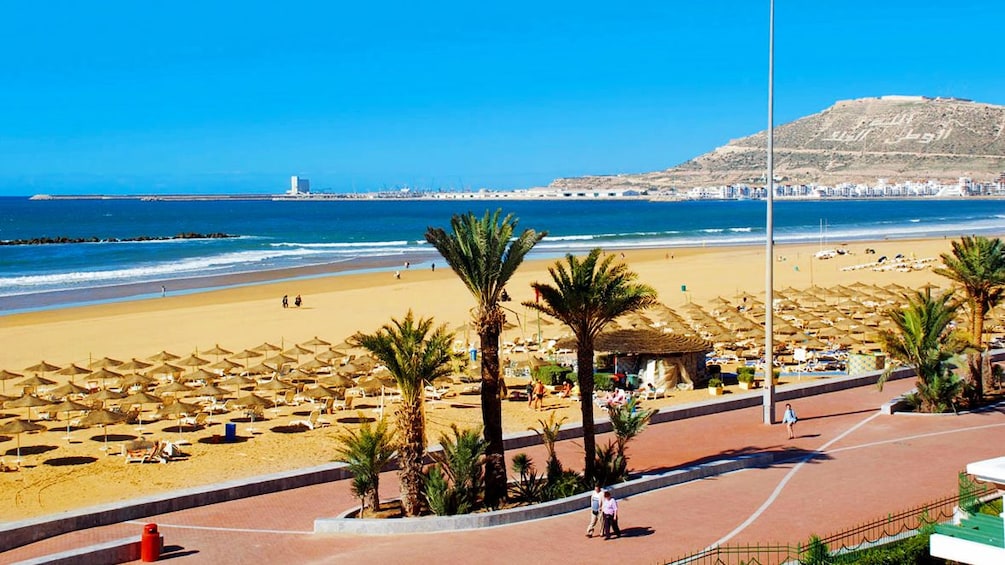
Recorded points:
(156, 97)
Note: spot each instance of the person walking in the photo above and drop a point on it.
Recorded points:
(286, 301)
(298, 301)
(539, 392)
(789, 419)
(596, 501)
(610, 510)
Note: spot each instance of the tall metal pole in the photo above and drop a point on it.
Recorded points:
(769, 255)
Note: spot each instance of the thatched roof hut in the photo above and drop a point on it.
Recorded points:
(664, 359)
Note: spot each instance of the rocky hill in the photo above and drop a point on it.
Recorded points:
(899, 138)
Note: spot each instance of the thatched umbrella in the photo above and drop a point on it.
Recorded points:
(237, 380)
(313, 365)
(68, 406)
(209, 390)
(266, 347)
(28, 401)
(276, 386)
(104, 362)
(341, 381)
(72, 371)
(104, 374)
(141, 398)
(67, 390)
(320, 392)
(106, 394)
(163, 357)
(250, 402)
(261, 369)
(279, 360)
(36, 381)
(134, 364)
(329, 355)
(41, 367)
(135, 379)
(297, 351)
(174, 388)
(192, 361)
(102, 418)
(178, 409)
(18, 427)
(225, 365)
(6, 375)
(165, 369)
(200, 374)
(217, 351)
(296, 375)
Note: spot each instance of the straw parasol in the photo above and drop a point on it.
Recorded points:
(250, 402)
(330, 355)
(68, 389)
(28, 401)
(296, 375)
(266, 347)
(319, 392)
(192, 361)
(237, 380)
(179, 409)
(36, 381)
(200, 374)
(209, 390)
(134, 364)
(165, 369)
(68, 406)
(276, 386)
(18, 427)
(174, 388)
(163, 357)
(338, 381)
(313, 365)
(6, 375)
(104, 362)
(73, 370)
(297, 351)
(315, 342)
(107, 394)
(104, 374)
(141, 398)
(279, 360)
(129, 381)
(217, 351)
(225, 365)
(102, 418)
(41, 367)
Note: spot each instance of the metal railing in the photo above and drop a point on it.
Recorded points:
(892, 527)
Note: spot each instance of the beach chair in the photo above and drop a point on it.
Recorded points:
(313, 421)
(653, 394)
(195, 422)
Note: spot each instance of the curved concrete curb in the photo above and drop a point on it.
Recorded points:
(524, 513)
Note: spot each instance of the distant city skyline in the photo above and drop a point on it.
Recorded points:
(145, 98)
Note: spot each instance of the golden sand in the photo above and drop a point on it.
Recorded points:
(59, 474)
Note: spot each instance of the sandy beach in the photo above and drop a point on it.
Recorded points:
(59, 474)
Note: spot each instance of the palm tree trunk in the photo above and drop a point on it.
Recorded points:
(584, 372)
(978, 325)
(413, 446)
(495, 456)
(373, 497)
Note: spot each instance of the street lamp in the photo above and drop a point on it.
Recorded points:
(769, 271)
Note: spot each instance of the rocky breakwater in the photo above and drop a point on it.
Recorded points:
(50, 240)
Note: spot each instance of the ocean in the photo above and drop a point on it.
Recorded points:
(315, 237)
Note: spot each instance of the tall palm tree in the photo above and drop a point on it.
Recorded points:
(977, 265)
(587, 295)
(414, 353)
(484, 253)
(925, 339)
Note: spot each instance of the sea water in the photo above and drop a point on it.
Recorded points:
(276, 235)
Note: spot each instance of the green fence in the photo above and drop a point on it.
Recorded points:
(892, 527)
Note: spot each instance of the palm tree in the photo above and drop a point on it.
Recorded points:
(484, 253)
(366, 452)
(977, 265)
(925, 339)
(587, 295)
(415, 353)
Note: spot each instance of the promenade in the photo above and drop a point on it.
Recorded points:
(848, 464)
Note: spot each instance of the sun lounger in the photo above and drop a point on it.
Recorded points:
(313, 421)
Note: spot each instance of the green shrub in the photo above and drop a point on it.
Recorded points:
(442, 499)
(530, 487)
(603, 381)
(913, 550)
(610, 467)
(743, 372)
(714, 383)
(551, 374)
(460, 465)
(564, 485)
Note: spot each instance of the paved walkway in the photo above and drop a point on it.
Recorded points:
(866, 465)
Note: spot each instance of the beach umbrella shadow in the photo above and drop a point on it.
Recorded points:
(288, 429)
(218, 440)
(356, 420)
(33, 450)
(69, 461)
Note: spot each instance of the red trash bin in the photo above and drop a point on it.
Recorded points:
(151, 543)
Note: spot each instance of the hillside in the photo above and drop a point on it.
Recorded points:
(899, 138)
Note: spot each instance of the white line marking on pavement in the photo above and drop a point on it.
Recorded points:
(788, 476)
(216, 529)
(919, 436)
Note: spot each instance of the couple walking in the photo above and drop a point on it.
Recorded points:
(603, 506)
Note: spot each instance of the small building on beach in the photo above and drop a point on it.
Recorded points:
(661, 359)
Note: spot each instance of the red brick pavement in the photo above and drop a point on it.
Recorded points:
(870, 465)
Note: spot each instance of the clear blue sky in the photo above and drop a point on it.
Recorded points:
(147, 97)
